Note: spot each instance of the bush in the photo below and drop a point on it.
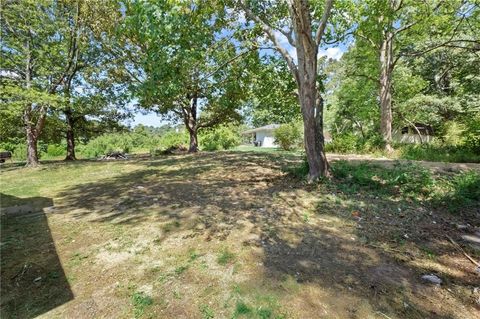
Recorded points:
(288, 136)
(19, 153)
(344, 143)
(54, 150)
(170, 140)
(107, 143)
(220, 138)
(471, 134)
(438, 153)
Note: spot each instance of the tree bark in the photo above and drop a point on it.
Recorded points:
(70, 135)
(191, 124)
(31, 133)
(310, 104)
(32, 153)
(386, 68)
(193, 141)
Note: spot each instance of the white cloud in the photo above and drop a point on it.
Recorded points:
(334, 53)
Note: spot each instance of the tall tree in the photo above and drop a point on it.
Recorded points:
(32, 69)
(392, 28)
(302, 23)
(192, 69)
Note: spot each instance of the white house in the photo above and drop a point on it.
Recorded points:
(417, 133)
(262, 136)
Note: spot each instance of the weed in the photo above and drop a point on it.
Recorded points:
(181, 269)
(264, 313)
(242, 309)
(140, 302)
(207, 312)
(192, 254)
(225, 257)
(306, 217)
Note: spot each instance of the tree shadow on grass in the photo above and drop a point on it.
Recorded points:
(33, 280)
(214, 195)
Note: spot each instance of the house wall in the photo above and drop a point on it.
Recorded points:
(411, 138)
(266, 138)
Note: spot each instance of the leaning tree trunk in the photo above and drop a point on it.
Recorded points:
(70, 136)
(386, 55)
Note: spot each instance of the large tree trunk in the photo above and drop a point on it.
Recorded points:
(311, 106)
(386, 70)
(32, 153)
(190, 119)
(312, 112)
(193, 141)
(70, 136)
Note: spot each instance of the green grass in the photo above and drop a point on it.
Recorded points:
(140, 302)
(207, 312)
(434, 153)
(225, 257)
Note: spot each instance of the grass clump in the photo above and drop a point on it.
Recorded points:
(207, 312)
(406, 180)
(461, 191)
(140, 302)
(225, 257)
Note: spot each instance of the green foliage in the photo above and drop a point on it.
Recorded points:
(140, 302)
(220, 138)
(407, 180)
(242, 309)
(118, 142)
(464, 190)
(207, 312)
(170, 139)
(351, 143)
(54, 150)
(288, 136)
(471, 134)
(225, 257)
(344, 143)
(437, 153)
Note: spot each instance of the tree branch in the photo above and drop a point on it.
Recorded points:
(323, 22)
(269, 31)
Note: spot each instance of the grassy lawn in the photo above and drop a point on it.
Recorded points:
(236, 235)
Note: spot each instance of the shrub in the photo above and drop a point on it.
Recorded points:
(54, 150)
(169, 140)
(344, 143)
(471, 134)
(438, 153)
(461, 191)
(19, 153)
(113, 142)
(220, 138)
(288, 136)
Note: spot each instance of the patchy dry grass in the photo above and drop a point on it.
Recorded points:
(229, 235)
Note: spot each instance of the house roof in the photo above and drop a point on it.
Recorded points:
(269, 127)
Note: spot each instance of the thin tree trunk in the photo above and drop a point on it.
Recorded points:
(70, 136)
(386, 53)
(31, 134)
